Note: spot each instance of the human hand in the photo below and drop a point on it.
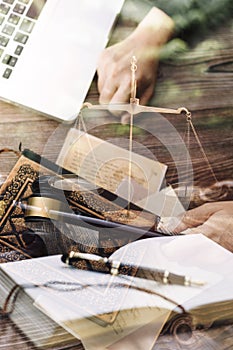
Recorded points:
(214, 220)
(114, 74)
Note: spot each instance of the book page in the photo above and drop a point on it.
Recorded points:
(95, 336)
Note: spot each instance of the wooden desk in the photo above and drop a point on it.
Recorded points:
(202, 81)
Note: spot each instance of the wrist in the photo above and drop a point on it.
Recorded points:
(156, 27)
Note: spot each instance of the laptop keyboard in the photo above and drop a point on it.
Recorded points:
(17, 20)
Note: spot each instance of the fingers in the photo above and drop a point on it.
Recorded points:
(182, 223)
(114, 76)
(106, 94)
(122, 94)
(205, 229)
(147, 94)
(125, 118)
(106, 86)
(197, 216)
(115, 89)
(219, 228)
(214, 220)
(190, 219)
(168, 224)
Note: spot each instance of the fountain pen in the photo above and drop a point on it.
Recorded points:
(97, 263)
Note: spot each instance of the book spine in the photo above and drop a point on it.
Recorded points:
(36, 326)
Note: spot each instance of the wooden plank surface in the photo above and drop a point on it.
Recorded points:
(201, 80)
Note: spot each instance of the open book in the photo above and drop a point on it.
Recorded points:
(58, 303)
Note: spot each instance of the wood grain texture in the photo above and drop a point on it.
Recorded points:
(201, 80)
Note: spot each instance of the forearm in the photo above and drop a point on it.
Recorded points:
(155, 29)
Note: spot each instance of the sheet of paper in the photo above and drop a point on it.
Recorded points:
(107, 166)
(164, 203)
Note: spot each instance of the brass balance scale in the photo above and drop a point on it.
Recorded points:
(193, 196)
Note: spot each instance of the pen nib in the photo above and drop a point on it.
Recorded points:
(195, 283)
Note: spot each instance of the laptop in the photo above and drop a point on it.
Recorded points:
(49, 51)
